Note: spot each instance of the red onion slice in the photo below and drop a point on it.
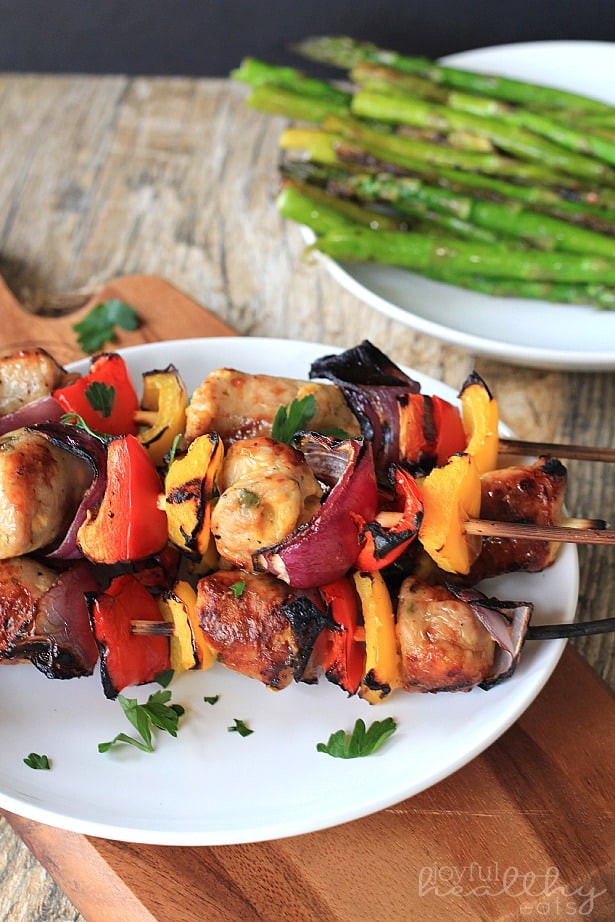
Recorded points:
(45, 409)
(326, 547)
(59, 642)
(372, 386)
(89, 448)
(506, 621)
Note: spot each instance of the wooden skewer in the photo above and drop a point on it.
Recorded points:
(152, 628)
(564, 532)
(575, 452)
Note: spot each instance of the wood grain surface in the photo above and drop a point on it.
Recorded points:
(108, 177)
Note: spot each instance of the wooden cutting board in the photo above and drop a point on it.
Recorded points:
(527, 830)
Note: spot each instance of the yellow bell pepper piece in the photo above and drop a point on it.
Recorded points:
(451, 495)
(163, 412)
(479, 411)
(382, 661)
(189, 485)
(188, 647)
(181, 643)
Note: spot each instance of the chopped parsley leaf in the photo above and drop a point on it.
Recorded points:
(238, 588)
(97, 327)
(360, 742)
(293, 418)
(155, 713)
(34, 760)
(240, 727)
(101, 397)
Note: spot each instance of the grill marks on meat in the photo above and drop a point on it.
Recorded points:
(523, 494)
(251, 631)
(44, 618)
(23, 583)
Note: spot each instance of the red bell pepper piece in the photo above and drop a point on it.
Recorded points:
(417, 432)
(126, 658)
(128, 525)
(431, 430)
(386, 538)
(344, 659)
(450, 435)
(110, 413)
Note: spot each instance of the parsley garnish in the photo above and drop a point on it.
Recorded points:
(360, 742)
(101, 397)
(237, 588)
(211, 699)
(164, 678)
(240, 727)
(156, 712)
(98, 325)
(34, 760)
(74, 419)
(293, 418)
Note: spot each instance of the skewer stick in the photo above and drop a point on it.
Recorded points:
(570, 533)
(152, 628)
(576, 629)
(575, 452)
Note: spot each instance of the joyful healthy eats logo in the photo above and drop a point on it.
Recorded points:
(542, 894)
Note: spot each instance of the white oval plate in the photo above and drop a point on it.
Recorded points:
(212, 787)
(531, 333)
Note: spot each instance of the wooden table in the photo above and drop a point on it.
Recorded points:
(101, 177)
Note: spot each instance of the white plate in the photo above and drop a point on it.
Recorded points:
(532, 333)
(210, 786)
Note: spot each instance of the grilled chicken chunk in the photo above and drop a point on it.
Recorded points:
(41, 486)
(26, 376)
(266, 490)
(237, 405)
(266, 631)
(443, 646)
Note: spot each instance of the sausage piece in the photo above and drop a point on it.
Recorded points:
(41, 486)
(443, 646)
(267, 490)
(249, 629)
(238, 405)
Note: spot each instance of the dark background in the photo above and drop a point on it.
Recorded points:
(209, 37)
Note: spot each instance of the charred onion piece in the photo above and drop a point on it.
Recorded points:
(507, 622)
(373, 386)
(324, 548)
(364, 364)
(44, 617)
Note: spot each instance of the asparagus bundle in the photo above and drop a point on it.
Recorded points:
(492, 184)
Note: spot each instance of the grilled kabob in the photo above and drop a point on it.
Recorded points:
(258, 625)
(292, 550)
